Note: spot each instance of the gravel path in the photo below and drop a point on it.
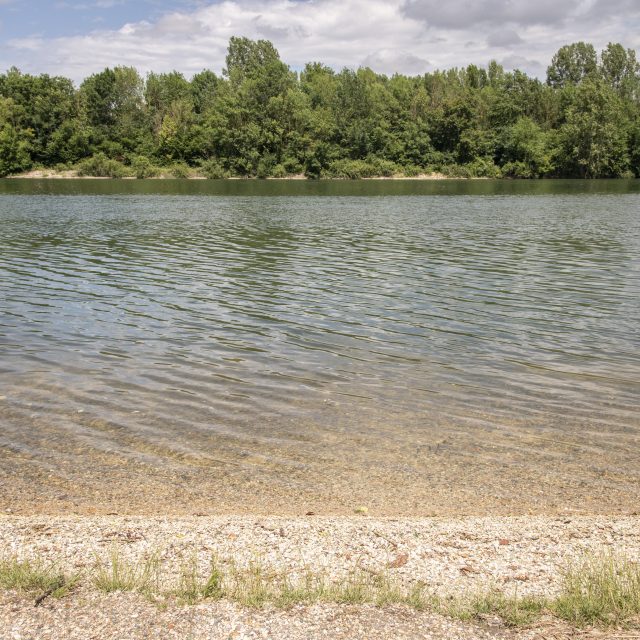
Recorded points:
(452, 556)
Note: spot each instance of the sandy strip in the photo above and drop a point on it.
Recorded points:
(453, 556)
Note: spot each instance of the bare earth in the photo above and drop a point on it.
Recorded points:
(523, 555)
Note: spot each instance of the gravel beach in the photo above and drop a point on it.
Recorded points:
(523, 555)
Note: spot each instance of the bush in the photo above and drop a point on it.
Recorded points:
(484, 168)
(213, 170)
(457, 171)
(143, 168)
(14, 151)
(313, 169)
(412, 170)
(384, 168)
(518, 169)
(180, 170)
(99, 166)
(351, 169)
(292, 166)
(266, 166)
(279, 171)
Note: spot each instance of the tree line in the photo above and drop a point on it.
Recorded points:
(261, 119)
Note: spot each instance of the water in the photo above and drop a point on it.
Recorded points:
(233, 345)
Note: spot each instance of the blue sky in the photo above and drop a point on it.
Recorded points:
(79, 37)
(75, 17)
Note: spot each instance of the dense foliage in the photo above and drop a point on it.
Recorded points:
(262, 119)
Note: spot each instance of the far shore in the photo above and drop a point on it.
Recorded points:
(53, 174)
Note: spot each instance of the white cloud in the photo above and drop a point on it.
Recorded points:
(408, 36)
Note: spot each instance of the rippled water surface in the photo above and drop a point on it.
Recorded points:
(341, 345)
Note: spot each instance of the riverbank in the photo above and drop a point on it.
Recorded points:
(53, 174)
(453, 562)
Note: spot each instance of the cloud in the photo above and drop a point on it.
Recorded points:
(407, 36)
(27, 44)
(505, 38)
(461, 14)
(389, 61)
(520, 62)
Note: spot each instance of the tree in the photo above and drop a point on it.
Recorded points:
(204, 87)
(245, 58)
(593, 141)
(260, 118)
(113, 103)
(572, 64)
(621, 70)
(14, 141)
(526, 150)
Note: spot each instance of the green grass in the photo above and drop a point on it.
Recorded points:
(119, 574)
(598, 590)
(192, 587)
(255, 586)
(513, 610)
(36, 577)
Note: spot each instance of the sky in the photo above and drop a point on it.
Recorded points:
(75, 38)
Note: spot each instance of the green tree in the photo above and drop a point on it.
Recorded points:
(593, 141)
(14, 141)
(621, 71)
(526, 150)
(572, 64)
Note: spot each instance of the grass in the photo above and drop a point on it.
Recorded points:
(34, 576)
(122, 575)
(598, 590)
(254, 586)
(601, 590)
(513, 610)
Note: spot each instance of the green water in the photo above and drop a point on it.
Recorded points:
(316, 188)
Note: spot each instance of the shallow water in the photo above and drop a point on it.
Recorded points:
(417, 347)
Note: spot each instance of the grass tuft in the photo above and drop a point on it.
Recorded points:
(513, 610)
(601, 589)
(32, 576)
(192, 588)
(122, 575)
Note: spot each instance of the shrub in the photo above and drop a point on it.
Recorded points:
(484, 168)
(517, 169)
(99, 166)
(279, 171)
(412, 170)
(351, 169)
(313, 169)
(266, 165)
(143, 168)
(457, 171)
(292, 166)
(385, 168)
(180, 170)
(213, 170)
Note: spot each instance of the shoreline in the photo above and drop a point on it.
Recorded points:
(52, 174)
(453, 558)
(451, 554)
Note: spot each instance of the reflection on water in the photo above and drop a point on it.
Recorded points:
(260, 349)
